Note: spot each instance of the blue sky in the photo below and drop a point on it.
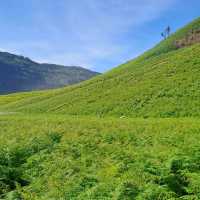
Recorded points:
(96, 34)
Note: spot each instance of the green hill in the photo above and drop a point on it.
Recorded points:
(90, 141)
(163, 82)
(18, 73)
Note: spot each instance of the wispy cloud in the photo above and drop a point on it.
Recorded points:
(86, 32)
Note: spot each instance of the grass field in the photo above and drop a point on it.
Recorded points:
(64, 157)
(163, 82)
(130, 134)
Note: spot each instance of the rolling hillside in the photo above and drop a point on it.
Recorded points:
(91, 141)
(163, 82)
(18, 73)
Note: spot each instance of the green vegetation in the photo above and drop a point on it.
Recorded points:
(60, 157)
(168, 45)
(153, 85)
(130, 134)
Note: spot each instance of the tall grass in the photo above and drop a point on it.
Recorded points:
(60, 157)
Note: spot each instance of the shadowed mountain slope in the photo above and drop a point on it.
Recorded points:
(18, 73)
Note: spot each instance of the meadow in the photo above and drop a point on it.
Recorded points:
(132, 133)
(63, 157)
(161, 86)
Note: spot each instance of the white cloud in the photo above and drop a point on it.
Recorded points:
(86, 32)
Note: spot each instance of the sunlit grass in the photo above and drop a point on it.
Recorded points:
(90, 158)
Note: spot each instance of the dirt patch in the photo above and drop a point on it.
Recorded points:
(193, 37)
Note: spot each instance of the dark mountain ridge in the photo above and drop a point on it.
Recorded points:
(19, 73)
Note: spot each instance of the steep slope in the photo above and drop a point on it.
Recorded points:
(163, 82)
(18, 73)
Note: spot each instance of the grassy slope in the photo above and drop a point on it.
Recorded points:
(61, 157)
(161, 83)
(56, 158)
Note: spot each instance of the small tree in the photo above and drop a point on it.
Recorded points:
(166, 33)
(163, 35)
